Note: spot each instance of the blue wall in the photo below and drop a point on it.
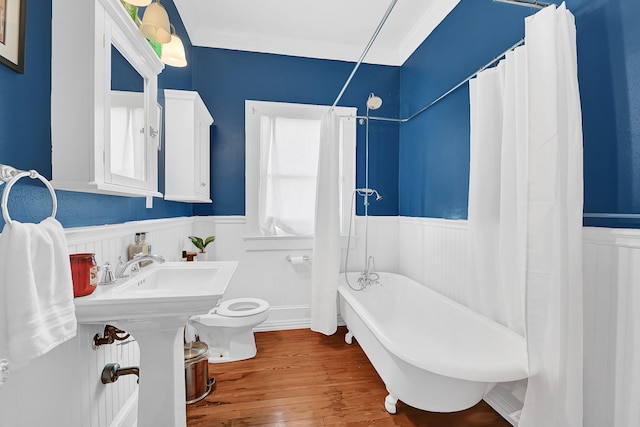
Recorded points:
(25, 136)
(225, 78)
(609, 75)
(434, 147)
(420, 167)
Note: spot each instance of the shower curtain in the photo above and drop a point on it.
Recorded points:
(525, 210)
(325, 268)
(498, 190)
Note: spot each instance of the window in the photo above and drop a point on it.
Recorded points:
(282, 145)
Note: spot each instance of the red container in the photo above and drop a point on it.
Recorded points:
(84, 273)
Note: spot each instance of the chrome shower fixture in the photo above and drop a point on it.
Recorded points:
(368, 192)
(374, 102)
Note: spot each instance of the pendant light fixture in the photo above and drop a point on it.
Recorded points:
(139, 2)
(155, 23)
(173, 52)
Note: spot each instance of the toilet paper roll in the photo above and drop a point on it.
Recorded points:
(297, 260)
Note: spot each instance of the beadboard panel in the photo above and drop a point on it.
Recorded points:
(612, 335)
(268, 275)
(264, 274)
(65, 383)
(433, 252)
(168, 237)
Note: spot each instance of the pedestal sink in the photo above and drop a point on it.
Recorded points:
(153, 306)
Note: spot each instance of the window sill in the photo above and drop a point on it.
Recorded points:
(277, 243)
(287, 243)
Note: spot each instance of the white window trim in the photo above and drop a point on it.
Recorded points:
(253, 110)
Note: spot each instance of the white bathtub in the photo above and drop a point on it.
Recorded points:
(431, 352)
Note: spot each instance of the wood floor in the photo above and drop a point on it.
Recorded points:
(301, 378)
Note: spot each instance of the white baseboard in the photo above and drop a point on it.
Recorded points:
(287, 317)
(128, 415)
(504, 403)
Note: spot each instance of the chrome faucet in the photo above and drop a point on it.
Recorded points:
(369, 277)
(135, 263)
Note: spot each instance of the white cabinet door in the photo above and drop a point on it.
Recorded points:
(89, 152)
(187, 147)
(203, 160)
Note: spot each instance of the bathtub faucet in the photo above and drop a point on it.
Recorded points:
(368, 277)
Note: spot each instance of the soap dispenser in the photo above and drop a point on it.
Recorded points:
(140, 246)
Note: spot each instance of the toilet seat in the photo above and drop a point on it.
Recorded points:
(241, 307)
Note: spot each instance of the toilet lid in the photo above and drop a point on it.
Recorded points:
(242, 307)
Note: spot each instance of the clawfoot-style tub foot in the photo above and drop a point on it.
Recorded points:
(348, 337)
(390, 403)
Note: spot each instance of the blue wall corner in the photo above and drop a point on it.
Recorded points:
(434, 146)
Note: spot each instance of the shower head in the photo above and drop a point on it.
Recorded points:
(374, 102)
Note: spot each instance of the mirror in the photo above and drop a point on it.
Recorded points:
(127, 136)
(111, 46)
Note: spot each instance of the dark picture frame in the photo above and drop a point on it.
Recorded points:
(13, 20)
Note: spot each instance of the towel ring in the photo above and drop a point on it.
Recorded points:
(33, 175)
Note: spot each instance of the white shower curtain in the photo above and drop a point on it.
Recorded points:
(525, 210)
(554, 270)
(325, 268)
(497, 191)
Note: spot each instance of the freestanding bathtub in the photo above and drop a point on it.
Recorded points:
(431, 352)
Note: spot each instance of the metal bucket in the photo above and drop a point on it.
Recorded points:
(196, 371)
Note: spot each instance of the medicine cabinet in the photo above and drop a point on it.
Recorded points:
(104, 113)
(187, 147)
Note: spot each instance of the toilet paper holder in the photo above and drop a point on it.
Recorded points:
(297, 259)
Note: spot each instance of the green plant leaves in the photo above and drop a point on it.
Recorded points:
(201, 244)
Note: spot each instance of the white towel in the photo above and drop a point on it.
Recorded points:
(37, 312)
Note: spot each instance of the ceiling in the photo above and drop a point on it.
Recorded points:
(327, 29)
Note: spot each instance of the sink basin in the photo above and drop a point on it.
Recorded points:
(158, 291)
(153, 306)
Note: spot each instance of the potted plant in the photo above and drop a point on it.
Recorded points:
(201, 244)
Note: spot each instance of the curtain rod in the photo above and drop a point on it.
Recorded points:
(444, 95)
(534, 3)
(364, 53)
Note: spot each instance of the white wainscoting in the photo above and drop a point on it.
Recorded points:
(63, 388)
(268, 275)
(433, 252)
(612, 327)
(65, 383)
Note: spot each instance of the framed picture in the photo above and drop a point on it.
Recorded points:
(13, 18)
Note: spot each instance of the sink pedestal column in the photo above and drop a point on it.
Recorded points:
(161, 394)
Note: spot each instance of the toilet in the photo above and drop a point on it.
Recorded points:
(228, 328)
